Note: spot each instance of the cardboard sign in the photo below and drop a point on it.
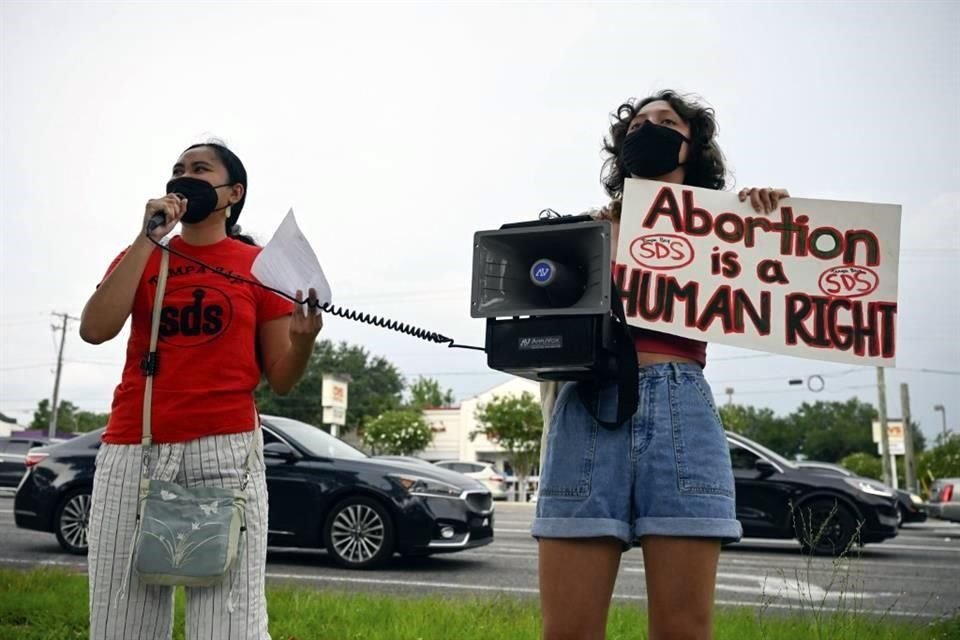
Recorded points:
(815, 279)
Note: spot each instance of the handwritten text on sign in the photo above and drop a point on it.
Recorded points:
(817, 278)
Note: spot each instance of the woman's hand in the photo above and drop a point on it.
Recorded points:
(610, 212)
(305, 323)
(764, 200)
(171, 206)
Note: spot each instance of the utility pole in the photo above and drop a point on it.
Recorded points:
(884, 436)
(55, 406)
(729, 392)
(909, 468)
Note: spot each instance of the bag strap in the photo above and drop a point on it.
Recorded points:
(628, 372)
(150, 362)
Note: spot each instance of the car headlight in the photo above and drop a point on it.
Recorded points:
(870, 487)
(420, 486)
(915, 499)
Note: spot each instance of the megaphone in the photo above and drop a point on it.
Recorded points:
(545, 289)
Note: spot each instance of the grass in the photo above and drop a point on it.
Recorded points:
(52, 605)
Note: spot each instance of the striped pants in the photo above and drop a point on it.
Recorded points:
(235, 609)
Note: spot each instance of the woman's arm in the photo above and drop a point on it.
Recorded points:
(110, 305)
(287, 344)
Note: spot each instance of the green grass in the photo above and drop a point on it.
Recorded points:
(52, 605)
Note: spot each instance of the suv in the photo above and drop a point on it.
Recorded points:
(13, 457)
(827, 514)
(910, 507)
(485, 472)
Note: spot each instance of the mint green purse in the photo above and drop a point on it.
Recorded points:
(184, 536)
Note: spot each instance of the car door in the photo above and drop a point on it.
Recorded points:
(294, 489)
(763, 501)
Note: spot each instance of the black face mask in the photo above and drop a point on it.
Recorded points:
(201, 197)
(652, 151)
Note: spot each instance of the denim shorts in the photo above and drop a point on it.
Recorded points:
(665, 472)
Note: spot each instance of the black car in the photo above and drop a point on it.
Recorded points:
(319, 486)
(13, 457)
(826, 513)
(910, 507)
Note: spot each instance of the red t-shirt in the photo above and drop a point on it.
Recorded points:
(207, 348)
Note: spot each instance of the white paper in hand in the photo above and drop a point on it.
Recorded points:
(288, 263)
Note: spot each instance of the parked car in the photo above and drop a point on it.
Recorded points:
(827, 513)
(320, 488)
(13, 454)
(485, 472)
(945, 499)
(910, 506)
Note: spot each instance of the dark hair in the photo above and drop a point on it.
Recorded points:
(705, 165)
(236, 172)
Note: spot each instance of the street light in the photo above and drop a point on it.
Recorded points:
(943, 411)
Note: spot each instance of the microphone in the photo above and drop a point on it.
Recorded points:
(156, 220)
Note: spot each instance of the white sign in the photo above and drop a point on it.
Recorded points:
(334, 392)
(894, 437)
(334, 400)
(816, 278)
(334, 415)
(288, 263)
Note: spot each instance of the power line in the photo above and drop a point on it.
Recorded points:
(942, 372)
(28, 366)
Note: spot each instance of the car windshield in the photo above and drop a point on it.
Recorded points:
(768, 453)
(317, 442)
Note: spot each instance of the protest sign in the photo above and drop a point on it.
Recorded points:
(815, 278)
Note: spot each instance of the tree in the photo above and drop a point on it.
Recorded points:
(400, 432)
(830, 431)
(375, 386)
(69, 418)
(88, 421)
(943, 461)
(762, 426)
(425, 393)
(863, 464)
(516, 424)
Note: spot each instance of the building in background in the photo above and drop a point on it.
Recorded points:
(452, 427)
(9, 426)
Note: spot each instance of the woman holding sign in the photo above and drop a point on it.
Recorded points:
(217, 333)
(663, 479)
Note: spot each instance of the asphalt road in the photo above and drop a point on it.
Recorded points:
(914, 575)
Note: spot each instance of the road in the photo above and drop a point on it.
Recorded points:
(911, 576)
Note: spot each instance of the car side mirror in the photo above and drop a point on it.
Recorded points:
(765, 467)
(279, 451)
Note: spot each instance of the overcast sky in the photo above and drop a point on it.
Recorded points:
(397, 130)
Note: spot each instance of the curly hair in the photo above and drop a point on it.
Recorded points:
(705, 166)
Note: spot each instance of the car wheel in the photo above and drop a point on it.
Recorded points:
(358, 533)
(71, 520)
(900, 516)
(825, 527)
